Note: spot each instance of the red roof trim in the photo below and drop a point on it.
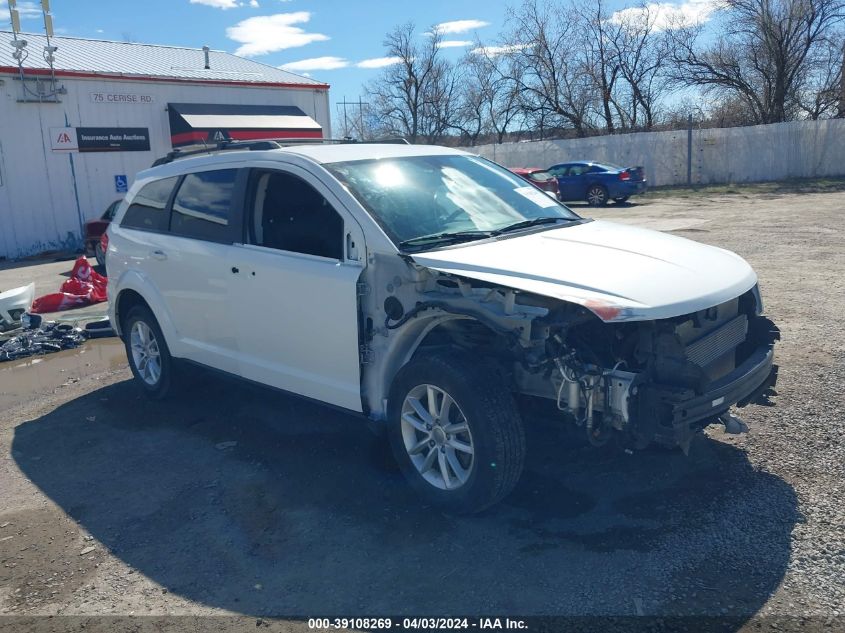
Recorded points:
(179, 80)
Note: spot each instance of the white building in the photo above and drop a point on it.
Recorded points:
(72, 139)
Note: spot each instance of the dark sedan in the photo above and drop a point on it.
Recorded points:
(596, 183)
(94, 230)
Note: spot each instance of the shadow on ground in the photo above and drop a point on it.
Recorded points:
(298, 518)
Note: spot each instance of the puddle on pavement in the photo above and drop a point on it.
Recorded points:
(20, 380)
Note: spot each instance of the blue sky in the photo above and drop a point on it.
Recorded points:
(335, 41)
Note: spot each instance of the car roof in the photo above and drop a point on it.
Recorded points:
(320, 153)
(328, 153)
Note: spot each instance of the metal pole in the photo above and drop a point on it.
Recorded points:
(689, 150)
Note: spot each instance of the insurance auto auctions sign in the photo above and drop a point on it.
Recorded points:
(100, 139)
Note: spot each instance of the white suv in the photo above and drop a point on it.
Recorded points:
(431, 291)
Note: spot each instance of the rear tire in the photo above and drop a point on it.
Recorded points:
(456, 432)
(597, 196)
(147, 352)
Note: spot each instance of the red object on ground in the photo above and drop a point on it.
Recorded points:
(85, 286)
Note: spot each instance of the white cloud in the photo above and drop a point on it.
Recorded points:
(316, 63)
(26, 10)
(218, 4)
(268, 33)
(378, 62)
(668, 15)
(454, 43)
(492, 51)
(460, 26)
(254, 4)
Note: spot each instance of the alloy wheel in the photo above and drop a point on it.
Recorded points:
(437, 437)
(596, 196)
(145, 353)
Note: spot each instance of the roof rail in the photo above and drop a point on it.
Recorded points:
(265, 144)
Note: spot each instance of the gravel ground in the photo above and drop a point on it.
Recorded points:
(232, 501)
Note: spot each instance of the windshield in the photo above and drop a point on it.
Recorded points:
(419, 196)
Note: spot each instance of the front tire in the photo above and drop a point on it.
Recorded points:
(597, 196)
(147, 352)
(456, 432)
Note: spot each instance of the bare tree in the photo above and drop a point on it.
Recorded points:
(819, 94)
(415, 96)
(540, 43)
(641, 54)
(765, 49)
(598, 44)
(490, 100)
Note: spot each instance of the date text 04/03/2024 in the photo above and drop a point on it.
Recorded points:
(430, 623)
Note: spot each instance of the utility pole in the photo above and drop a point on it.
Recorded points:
(360, 104)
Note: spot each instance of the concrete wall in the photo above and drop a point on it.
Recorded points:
(800, 149)
(46, 195)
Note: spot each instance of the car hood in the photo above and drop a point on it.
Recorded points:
(619, 272)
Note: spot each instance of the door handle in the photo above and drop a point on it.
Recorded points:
(160, 255)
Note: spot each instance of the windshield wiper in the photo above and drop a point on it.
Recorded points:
(525, 224)
(449, 237)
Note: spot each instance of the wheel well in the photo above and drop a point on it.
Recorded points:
(466, 334)
(127, 300)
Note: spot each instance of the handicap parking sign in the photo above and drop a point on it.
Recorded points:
(121, 183)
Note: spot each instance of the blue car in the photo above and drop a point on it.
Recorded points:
(596, 183)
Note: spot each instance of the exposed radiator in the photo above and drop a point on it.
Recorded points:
(718, 342)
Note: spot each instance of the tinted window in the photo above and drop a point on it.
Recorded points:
(203, 204)
(577, 170)
(109, 214)
(290, 215)
(148, 210)
(560, 170)
(541, 176)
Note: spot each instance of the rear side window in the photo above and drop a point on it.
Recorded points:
(202, 207)
(148, 210)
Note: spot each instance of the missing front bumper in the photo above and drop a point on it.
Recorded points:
(672, 416)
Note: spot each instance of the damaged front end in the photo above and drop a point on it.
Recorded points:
(642, 381)
(663, 381)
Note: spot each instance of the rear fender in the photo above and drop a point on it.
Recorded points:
(133, 280)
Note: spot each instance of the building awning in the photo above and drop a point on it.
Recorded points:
(198, 123)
